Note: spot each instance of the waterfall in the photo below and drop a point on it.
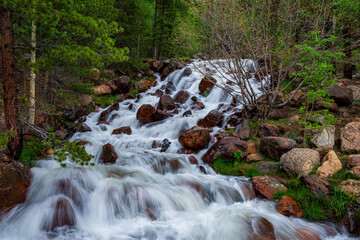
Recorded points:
(148, 194)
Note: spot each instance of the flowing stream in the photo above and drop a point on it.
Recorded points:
(147, 194)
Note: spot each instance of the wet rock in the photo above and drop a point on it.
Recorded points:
(103, 123)
(195, 138)
(350, 137)
(274, 147)
(353, 161)
(122, 130)
(254, 157)
(145, 113)
(341, 95)
(262, 229)
(64, 215)
(160, 115)
(158, 93)
(187, 113)
(166, 103)
(351, 188)
(317, 185)
(123, 84)
(185, 151)
(169, 68)
(84, 128)
(268, 130)
(225, 148)
(278, 113)
(206, 84)
(324, 138)
(212, 119)
(330, 165)
(150, 214)
(174, 164)
(66, 187)
(82, 143)
(202, 169)
(169, 88)
(268, 166)
(267, 186)
(15, 180)
(193, 160)
(243, 130)
(349, 221)
(102, 90)
(288, 207)
(198, 106)
(187, 71)
(108, 154)
(165, 145)
(182, 96)
(307, 234)
(299, 161)
(105, 114)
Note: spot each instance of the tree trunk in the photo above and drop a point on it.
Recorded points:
(154, 30)
(161, 30)
(32, 74)
(8, 65)
(348, 67)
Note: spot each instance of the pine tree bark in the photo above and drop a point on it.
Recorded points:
(154, 30)
(9, 81)
(32, 74)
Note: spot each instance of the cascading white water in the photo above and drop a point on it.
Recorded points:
(142, 195)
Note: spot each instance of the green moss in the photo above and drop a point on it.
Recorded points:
(229, 131)
(227, 167)
(251, 172)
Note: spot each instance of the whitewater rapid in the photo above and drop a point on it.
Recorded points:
(143, 196)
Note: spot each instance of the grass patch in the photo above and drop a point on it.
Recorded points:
(104, 101)
(234, 168)
(317, 208)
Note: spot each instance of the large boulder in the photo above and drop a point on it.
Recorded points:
(243, 130)
(143, 85)
(351, 188)
(288, 207)
(317, 185)
(166, 103)
(212, 119)
(63, 215)
(108, 154)
(268, 130)
(206, 84)
(182, 96)
(123, 84)
(331, 164)
(261, 229)
(267, 186)
(350, 137)
(15, 180)
(299, 161)
(195, 138)
(341, 95)
(274, 147)
(325, 138)
(225, 148)
(145, 113)
(171, 67)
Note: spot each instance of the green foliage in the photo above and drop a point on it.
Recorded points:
(317, 74)
(227, 167)
(229, 131)
(75, 152)
(251, 172)
(106, 100)
(238, 155)
(253, 125)
(134, 91)
(4, 138)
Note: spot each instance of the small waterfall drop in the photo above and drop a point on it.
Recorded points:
(147, 194)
